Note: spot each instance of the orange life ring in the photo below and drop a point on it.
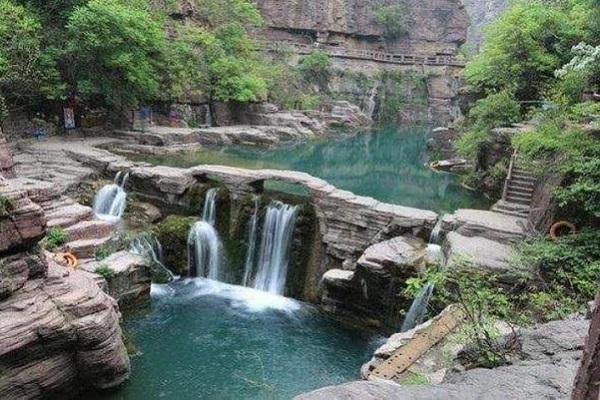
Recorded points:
(561, 224)
(69, 259)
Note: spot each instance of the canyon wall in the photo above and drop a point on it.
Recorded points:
(429, 26)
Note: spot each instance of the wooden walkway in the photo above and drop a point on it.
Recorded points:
(340, 52)
(407, 355)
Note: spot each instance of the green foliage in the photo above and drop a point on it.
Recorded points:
(27, 70)
(524, 47)
(233, 70)
(574, 153)
(6, 205)
(116, 48)
(411, 378)
(105, 271)
(471, 141)
(484, 301)
(316, 68)
(571, 263)
(55, 237)
(103, 252)
(393, 18)
(173, 235)
(495, 110)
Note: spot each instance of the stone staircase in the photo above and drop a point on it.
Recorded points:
(518, 191)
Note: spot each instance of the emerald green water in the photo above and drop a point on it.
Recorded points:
(387, 165)
(206, 340)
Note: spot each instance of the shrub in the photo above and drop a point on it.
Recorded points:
(103, 252)
(6, 205)
(495, 110)
(105, 271)
(393, 20)
(55, 237)
(570, 262)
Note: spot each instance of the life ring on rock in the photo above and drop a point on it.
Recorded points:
(69, 258)
(558, 226)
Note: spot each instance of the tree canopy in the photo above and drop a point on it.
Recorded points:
(126, 52)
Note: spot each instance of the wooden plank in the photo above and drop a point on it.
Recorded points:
(422, 342)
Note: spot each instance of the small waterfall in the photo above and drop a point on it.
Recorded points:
(147, 245)
(276, 239)
(418, 309)
(111, 200)
(203, 242)
(251, 251)
(208, 116)
(370, 104)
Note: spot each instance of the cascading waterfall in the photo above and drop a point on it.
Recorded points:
(147, 245)
(277, 233)
(111, 200)
(418, 308)
(370, 104)
(251, 251)
(203, 242)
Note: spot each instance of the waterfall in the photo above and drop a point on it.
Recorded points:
(147, 245)
(111, 200)
(251, 251)
(273, 256)
(209, 213)
(203, 242)
(370, 104)
(418, 309)
(208, 116)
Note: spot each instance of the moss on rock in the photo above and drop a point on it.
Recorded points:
(172, 233)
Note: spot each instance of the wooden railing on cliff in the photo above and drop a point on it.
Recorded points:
(340, 52)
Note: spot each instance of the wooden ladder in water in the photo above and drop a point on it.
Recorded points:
(422, 342)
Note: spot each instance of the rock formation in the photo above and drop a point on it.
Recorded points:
(431, 26)
(481, 13)
(60, 332)
(545, 368)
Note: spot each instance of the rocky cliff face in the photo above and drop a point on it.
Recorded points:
(59, 333)
(481, 13)
(431, 26)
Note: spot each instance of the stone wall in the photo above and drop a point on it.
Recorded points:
(588, 376)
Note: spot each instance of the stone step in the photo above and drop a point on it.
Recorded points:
(518, 199)
(93, 229)
(521, 184)
(523, 177)
(51, 206)
(514, 209)
(520, 192)
(69, 215)
(86, 248)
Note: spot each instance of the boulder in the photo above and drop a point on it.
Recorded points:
(487, 224)
(22, 222)
(381, 274)
(60, 333)
(481, 253)
(131, 279)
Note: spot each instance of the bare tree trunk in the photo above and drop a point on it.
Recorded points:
(587, 381)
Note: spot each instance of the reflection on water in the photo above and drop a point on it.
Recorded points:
(387, 165)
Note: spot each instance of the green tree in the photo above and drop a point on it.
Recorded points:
(234, 72)
(27, 72)
(393, 18)
(115, 50)
(525, 46)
